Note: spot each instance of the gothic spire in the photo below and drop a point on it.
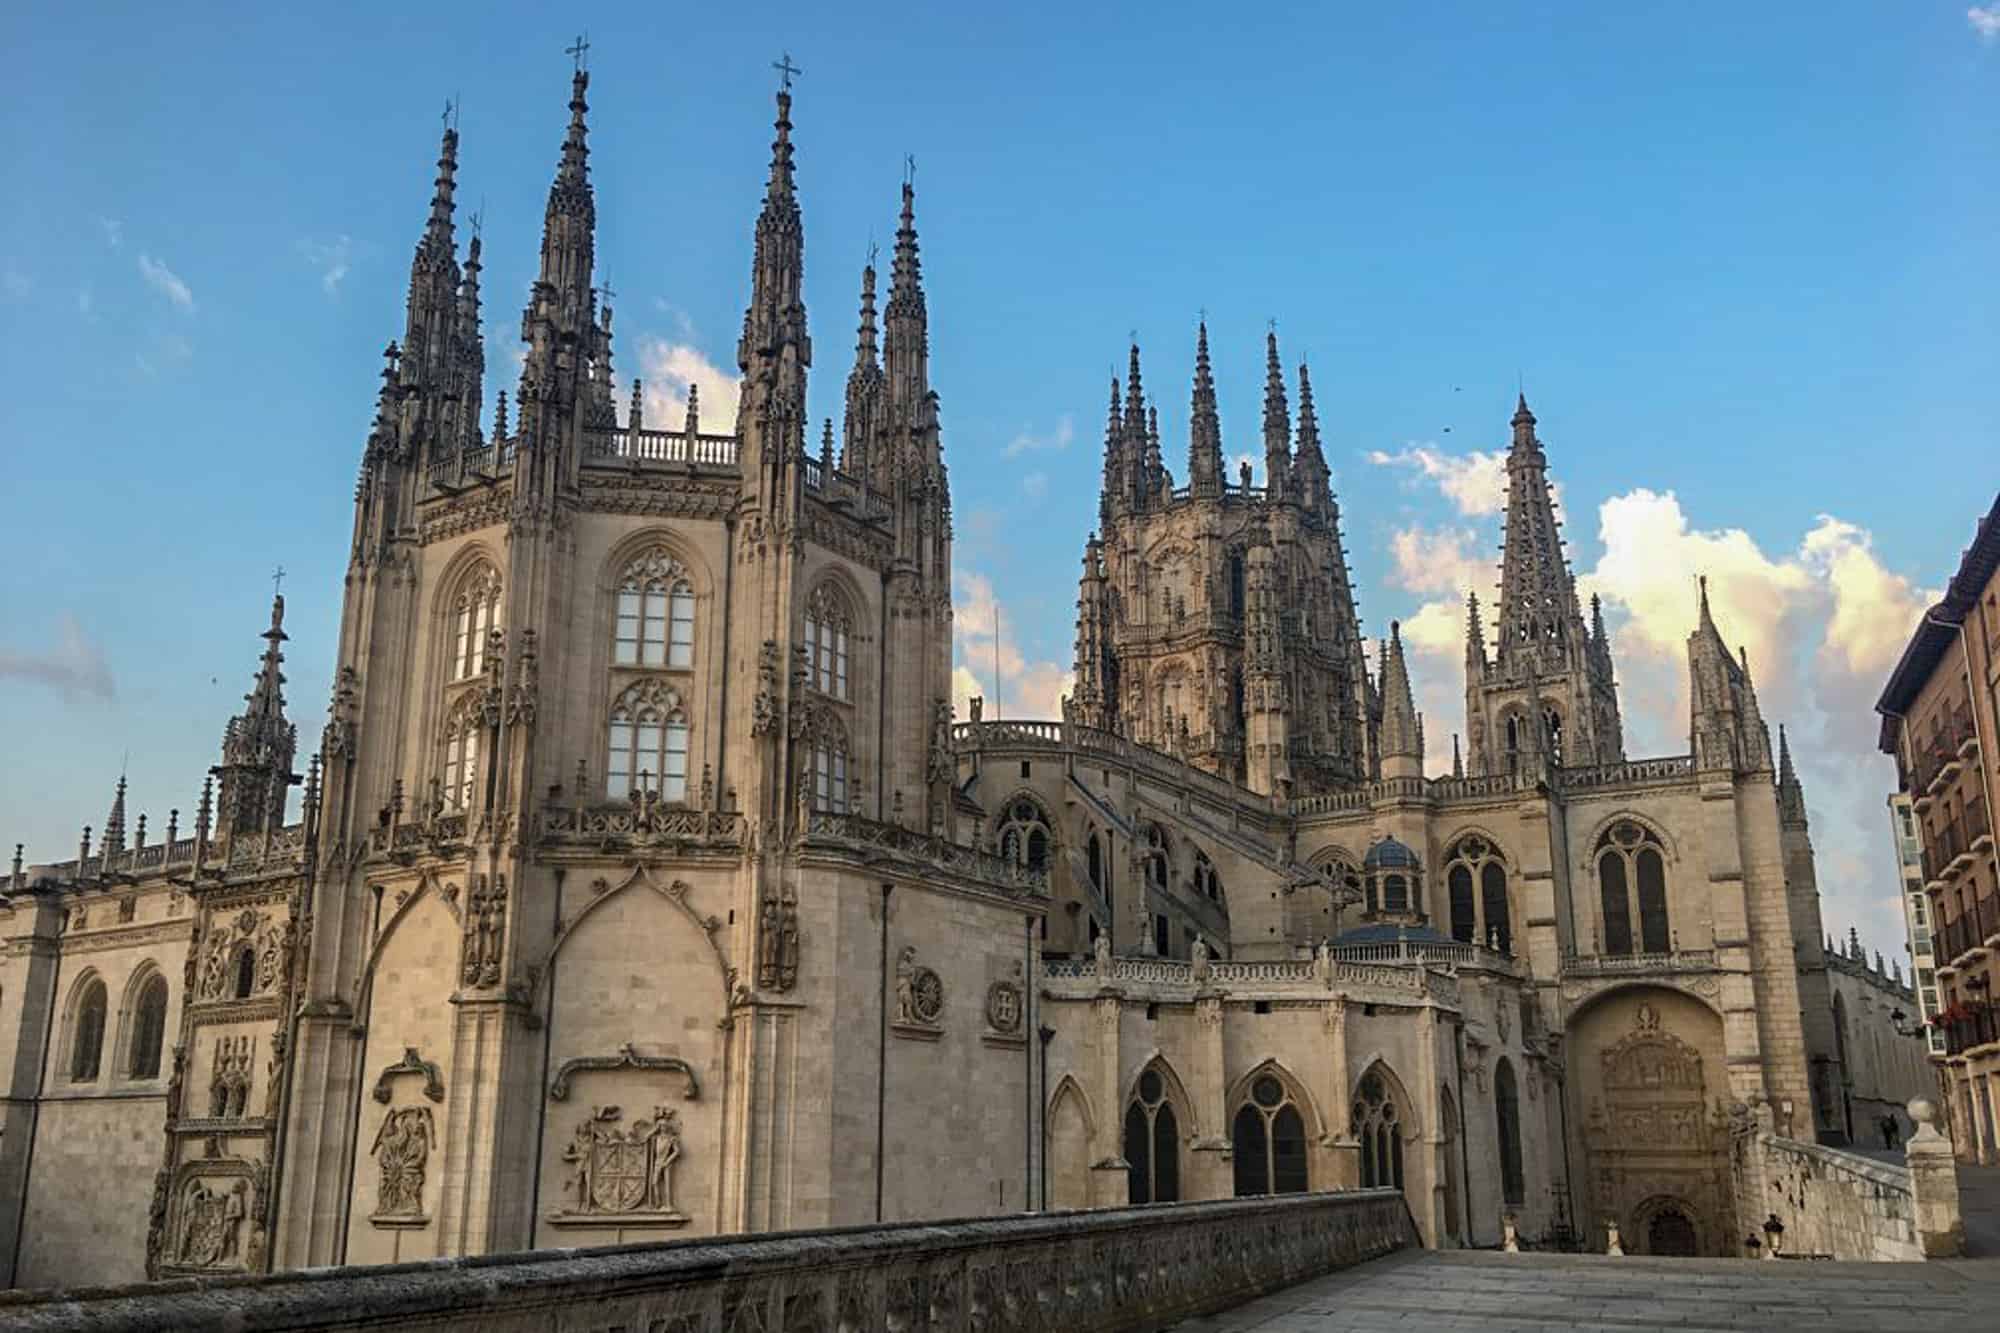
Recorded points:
(864, 387)
(258, 743)
(438, 243)
(113, 838)
(569, 226)
(1791, 795)
(1205, 430)
(1475, 639)
(1156, 469)
(1277, 422)
(906, 321)
(1133, 482)
(1314, 478)
(471, 350)
(774, 351)
(1401, 737)
(1114, 454)
(1538, 607)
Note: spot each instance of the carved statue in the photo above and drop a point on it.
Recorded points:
(211, 1224)
(788, 947)
(943, 765)
(1323, 961)
(764, 710)
(906, 983)
(232, 1219)
(1102, 950)
(485, 924)
(1199, 955)
(767, 945)
(402, 1149)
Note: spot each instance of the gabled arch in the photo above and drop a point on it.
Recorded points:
(675, 892)
(1315, 1114)
(1068, 1087)
(428, 886)
(470, 606)
(1595, 838)
(1177, 1093)
(635, 546)
(1382, 1119)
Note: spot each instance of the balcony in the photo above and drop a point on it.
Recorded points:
(1968, 1026)
(1637, 964)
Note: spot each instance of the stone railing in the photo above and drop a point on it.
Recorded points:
(249, 852)
(1631, 773)
(637, 825)
(968, 862)
(1010, 737)
(1830, 1204)
(1103, 1271)
(640, 447)
(1627, 964)
(1453, 953)
(1178, 979)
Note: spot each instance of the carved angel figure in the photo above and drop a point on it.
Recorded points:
(402, 1149)
(906, 986)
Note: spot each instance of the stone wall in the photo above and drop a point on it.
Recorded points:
(1834, 1204)
(1108, 1270)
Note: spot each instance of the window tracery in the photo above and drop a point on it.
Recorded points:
(1375, 1122)
(829, 622)
(1269, 1137)
(647, 743)
(829, 764)
(655, 613)
(1156, 857)
(1207, 882)
(475, 614)
(461, 752)
(1152, 1142)
(1024, 836)
(1476, 883)
(1632, 887)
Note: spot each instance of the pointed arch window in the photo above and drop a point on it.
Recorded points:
(829, 621)
(1269, 1137)
(1552, 736)
(648, 743)
(1157, 856)
(829, 765)
(86, 1043)
(461, 754)
(655, 613)
(1513, 747)
(1375, 1120)
(1632, 886)
(149, 1029)
(1476, 878)
(1152, 1142)
(1507, 1115)
(1024, 834)
(475, 614)
(1207, 882)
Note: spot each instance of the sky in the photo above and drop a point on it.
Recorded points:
(1740, 257)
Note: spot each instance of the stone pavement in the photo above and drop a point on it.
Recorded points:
(1487, 1292)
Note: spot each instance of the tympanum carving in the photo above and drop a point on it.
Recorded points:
(622, 1175)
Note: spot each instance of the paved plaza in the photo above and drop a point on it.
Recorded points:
(1424, 1290)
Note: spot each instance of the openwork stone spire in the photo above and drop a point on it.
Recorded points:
(1277, 422)
(1539, 617)
(1205, 428)
(1402, 734)
(1314, 478)
(258, 745)
(1791, 795)
(864, 390)
(113, 839)
(906, 320)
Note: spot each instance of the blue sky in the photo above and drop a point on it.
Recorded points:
(1742, 258)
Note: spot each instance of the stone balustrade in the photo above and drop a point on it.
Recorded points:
(1101, 1271)
(1831, 1204)
(1178, 980)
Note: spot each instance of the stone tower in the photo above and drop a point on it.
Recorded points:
(1216, 621)
(1547, 693)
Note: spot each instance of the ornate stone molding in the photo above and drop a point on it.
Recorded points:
(411, 1063)
(627, 1058)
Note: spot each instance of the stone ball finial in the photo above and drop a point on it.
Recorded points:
(1923, 1112)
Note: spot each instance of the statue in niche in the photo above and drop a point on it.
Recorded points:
(788, 947)
(1101, 949)
(402, 1150)
(767, 945)
(1198, 954)
(906, 985)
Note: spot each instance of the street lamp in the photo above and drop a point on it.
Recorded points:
(1897, 1020)
(1774, 1231)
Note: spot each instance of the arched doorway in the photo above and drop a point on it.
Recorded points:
(1671, 1232)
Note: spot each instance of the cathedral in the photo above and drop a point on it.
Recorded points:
(641, 884)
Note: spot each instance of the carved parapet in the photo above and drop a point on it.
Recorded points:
(610, 828)
(827, 830)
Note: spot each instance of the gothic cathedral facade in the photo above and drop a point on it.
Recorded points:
(642, 884)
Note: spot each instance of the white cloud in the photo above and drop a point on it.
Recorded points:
(1027, 689)
(1475, 482)
(166, 282)
(114, 231)
(74, 666)
(1433, 560)
(1029, 442)
(1985, 20)
(332, 258)
(666, 369)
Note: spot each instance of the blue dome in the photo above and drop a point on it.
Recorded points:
(1389, 854)
(1390, 934)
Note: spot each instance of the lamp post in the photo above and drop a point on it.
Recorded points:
(1774, 1232)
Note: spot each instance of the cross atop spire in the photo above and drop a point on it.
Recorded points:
(579, 51)
(787, 71)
